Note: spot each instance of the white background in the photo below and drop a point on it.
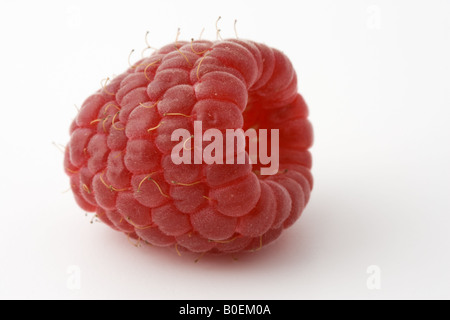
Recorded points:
(376, 75)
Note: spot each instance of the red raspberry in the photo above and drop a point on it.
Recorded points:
(118, 158)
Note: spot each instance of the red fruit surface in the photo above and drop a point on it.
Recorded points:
(118, 157)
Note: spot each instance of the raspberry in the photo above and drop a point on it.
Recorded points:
(119, 163)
